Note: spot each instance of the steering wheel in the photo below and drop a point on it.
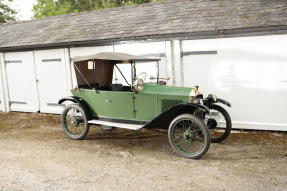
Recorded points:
(139, 80)
(142, 76)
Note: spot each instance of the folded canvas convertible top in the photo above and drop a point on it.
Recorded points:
(115, 56)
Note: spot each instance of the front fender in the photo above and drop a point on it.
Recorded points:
(163, 120)
(223, 102)
(200, 106)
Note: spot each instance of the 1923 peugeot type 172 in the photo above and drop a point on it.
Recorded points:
(189, 118)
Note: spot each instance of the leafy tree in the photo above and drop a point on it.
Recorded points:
(6, 13)
(45, 8)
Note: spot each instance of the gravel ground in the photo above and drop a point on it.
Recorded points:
(36, 155)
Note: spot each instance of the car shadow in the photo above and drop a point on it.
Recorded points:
(124, 134)
(144, 141)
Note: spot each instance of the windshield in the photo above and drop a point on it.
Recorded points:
(149, 68)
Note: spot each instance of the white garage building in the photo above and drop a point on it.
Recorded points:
(235, 49)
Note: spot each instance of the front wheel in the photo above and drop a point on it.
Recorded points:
(189, 136)
(219, 123)
(74, 122)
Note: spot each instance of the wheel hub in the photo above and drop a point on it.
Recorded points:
(75, 122)
(188, 135)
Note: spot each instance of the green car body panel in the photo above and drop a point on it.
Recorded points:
(143, 105)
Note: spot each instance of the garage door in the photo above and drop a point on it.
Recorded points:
(21, 81)
(52, 79)
(250, 72)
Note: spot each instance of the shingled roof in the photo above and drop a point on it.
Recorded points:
(145, 21)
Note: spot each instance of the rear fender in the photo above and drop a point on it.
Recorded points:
(79, 101)
(163, 120)
(73, 99)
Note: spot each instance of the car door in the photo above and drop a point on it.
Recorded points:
(109, 104)
(120, 105)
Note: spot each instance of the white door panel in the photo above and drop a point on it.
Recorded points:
(250, 72)
(52, 79)
(21, 81)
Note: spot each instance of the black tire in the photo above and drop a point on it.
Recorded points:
(188, 136)
(225, 127)
(78, 122)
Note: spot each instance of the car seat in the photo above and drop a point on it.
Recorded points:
(117, 87)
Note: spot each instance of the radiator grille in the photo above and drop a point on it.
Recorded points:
(168, 103)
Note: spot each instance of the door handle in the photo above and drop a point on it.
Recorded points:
(107, 100)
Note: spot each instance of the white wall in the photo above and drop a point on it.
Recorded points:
(2, 97)
(250, 72)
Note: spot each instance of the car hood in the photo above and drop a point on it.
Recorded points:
(167, 90)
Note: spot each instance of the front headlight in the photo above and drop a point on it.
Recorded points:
(192, 96)
(214, 98)
(194, 93)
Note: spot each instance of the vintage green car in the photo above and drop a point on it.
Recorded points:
(188, 117)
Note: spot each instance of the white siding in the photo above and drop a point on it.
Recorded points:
(250, 72)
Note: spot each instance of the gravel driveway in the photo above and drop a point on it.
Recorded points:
(36, 155)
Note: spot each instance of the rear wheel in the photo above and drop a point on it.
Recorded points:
(189, 136)
(74, 122)
(219, 123)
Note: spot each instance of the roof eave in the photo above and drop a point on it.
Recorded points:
(226, 33)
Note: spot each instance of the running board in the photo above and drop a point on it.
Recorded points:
(118, 125)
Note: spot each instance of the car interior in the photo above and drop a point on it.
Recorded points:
(98, 76)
